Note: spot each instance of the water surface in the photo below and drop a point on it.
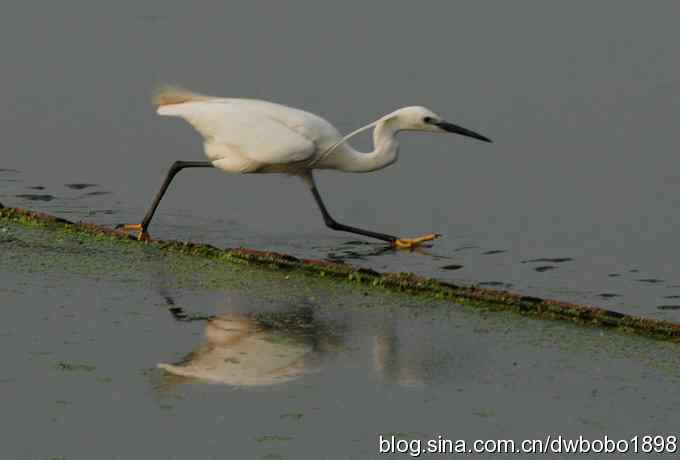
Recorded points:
(114, 351)
(577, 101)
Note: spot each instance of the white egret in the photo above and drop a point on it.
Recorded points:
(251, 136)
(238, 350)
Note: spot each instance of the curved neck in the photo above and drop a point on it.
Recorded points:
(386, 149)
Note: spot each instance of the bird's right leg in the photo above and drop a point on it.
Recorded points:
(400, 243)
(176, 167)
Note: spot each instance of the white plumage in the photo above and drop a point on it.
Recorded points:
(245, 136)
(253, 136)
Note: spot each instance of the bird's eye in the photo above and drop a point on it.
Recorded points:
(427, 119)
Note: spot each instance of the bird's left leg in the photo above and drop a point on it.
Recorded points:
(400, 243)
(176, 167)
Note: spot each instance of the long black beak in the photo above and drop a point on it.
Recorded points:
(450, 127)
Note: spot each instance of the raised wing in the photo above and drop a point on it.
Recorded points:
(261, 132)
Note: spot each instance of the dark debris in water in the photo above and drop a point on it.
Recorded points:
(97, 193)
(495, 284)
(464, 248)
(452, 267)
(672, 297)
(9, 170)
(608, 295)
(544, 268)
(668, 307)
(75, 367)
(80, 185)
(37, 187)
(94, 212)
(613, 275)
(650, 280)
(553, 260)
(493, 251)
(36, 197)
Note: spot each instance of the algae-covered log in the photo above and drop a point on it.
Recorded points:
(402, 282)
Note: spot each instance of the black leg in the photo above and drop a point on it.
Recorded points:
(176, 167)
(334, 225)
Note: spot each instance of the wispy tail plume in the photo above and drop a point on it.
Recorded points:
(174, 94)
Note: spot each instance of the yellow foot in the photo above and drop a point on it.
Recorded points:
(143, 235)
(410, 243)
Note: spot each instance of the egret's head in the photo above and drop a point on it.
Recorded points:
(423, 119)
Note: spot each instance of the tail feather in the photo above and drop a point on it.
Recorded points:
(173, 94)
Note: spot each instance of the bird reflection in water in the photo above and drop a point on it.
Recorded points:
(406, 360)
(251, 349)
(257, 349)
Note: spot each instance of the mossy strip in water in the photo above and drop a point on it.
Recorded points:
(407, 283)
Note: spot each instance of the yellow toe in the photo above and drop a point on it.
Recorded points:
(410, 243)
(142, 234)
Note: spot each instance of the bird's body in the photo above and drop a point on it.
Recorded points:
(253, 136)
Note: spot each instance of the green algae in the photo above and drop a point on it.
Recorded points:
(92, 250)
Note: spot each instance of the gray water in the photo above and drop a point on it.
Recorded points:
(579, 99)
(128, 352)
(576, 199)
